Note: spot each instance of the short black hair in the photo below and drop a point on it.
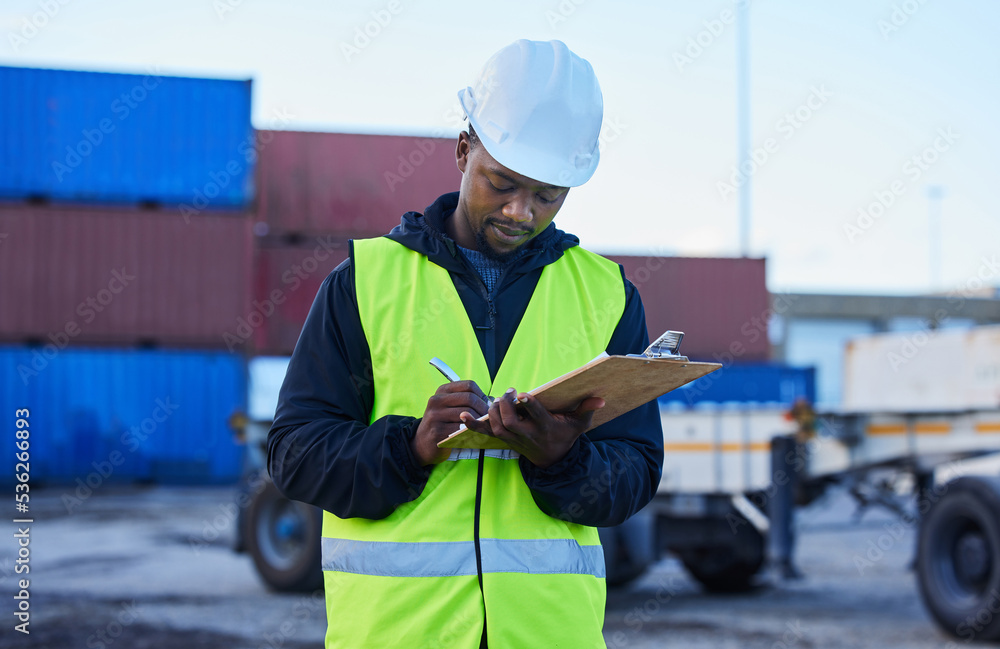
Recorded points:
(473, 138)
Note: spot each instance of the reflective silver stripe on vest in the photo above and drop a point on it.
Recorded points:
(455, 559)
(542, 557)
(473, 454)
(387, 559)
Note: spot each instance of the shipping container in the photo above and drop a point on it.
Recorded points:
(349, 184)
(721, 304)
(111, 415)
(125, 138)
(122, 277)
(286, 280)
(745, 383)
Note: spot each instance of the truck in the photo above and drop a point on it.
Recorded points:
(743, 448)
(920, 416)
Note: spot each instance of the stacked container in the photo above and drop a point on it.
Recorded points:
(124, 224)
(316, 192)
(139, 266)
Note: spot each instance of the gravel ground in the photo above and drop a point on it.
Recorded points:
(152, 568)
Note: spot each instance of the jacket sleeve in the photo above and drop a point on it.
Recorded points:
(612, 471)
(321, 449)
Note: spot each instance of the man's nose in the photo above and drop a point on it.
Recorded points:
(518, 209)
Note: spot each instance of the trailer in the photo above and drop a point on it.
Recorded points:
(918, 432)
(926, 405)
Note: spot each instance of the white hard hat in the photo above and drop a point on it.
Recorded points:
(537, 108)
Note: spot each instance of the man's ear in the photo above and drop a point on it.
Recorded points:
(462, 150)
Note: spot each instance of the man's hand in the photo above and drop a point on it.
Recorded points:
(539, 435)
(442, 417)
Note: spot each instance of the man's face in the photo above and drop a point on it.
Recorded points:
(498, 209)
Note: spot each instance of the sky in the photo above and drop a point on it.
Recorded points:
(858, 110)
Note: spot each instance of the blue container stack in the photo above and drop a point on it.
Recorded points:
(129, 143)
(151, 140)
(104, 416)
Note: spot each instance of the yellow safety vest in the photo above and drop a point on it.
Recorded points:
(411, 580)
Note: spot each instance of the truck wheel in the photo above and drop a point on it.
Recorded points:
(283, 537)
(729, 568)
(958, 559)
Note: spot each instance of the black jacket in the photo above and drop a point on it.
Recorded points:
(321, 449)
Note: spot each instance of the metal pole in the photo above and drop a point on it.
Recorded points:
(781, 507)
(743, 121)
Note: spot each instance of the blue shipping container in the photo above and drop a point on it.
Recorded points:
(748, 383)
(119, 416)
(125, 138)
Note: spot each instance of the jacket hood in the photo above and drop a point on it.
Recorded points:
(425, 233)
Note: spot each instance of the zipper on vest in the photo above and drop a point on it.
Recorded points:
(491, 335)
(490, 348)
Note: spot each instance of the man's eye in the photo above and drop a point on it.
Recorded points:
(546, 200)
(500, 189)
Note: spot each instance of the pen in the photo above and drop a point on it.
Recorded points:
(451, 375)
(442, 367)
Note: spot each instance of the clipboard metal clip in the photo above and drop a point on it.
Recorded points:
(666, 347)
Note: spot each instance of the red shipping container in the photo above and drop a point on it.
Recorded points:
(121, 276)
(721, 304)
(349, 184)
(286, 280)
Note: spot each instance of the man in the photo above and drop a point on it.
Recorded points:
(427, 547)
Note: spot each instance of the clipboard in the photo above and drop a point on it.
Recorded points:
(624, 382)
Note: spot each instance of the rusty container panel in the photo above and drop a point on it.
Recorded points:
(286, 280)
(721, 304)
(349, 184)
(121, 276)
